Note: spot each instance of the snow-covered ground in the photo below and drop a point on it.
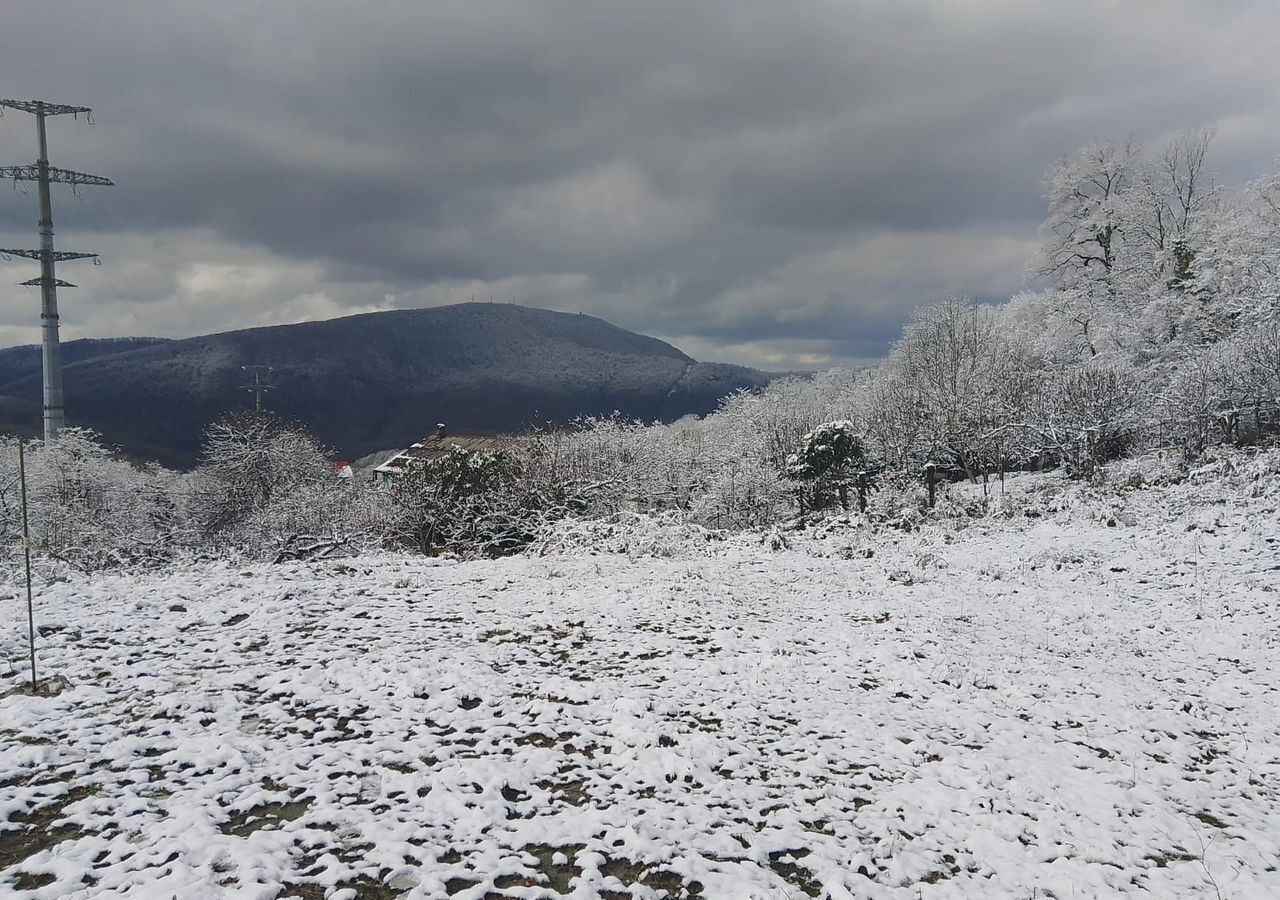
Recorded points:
(1080, 702)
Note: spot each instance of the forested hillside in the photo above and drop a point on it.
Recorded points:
(374, 381)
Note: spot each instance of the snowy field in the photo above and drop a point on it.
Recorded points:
(1080, 702)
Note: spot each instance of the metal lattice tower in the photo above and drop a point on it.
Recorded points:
(45, 174)
(258, 387)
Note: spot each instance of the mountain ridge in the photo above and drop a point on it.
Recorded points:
(373, 380)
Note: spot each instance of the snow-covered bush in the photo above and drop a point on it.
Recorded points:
(89, 507)
(463, 499)
(826, 465)
(743, 493)
(1088, 415)
(488, 502)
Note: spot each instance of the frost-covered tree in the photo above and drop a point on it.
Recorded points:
(1081, 253)
(1238, 267)
(1122, 244)
(263, 482)
(1171, 210)
(944, 383)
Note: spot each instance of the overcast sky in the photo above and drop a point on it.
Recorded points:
(773, 183)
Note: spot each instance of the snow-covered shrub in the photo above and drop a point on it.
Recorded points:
(1251, 472)
(769, 424)
(583, 469)
(462, 500)
(1247, 379)
(1152, 469)
(826, 465)
(897, 499)
(315, 520)
(1195, 403)
(91, 508)
(489, 502)
(712, 469)
(744, 493)
(587, 470)
(1088, 414)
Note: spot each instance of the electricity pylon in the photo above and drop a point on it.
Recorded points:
(45, 174)
(258, 388)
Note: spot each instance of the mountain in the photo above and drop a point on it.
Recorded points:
(19, 362)
(364, 383)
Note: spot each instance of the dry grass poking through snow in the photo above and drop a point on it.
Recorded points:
(1048, 707)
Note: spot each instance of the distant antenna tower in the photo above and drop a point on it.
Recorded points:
(257, 388)
(45, 174)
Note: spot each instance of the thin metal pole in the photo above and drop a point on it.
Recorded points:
(26, 552)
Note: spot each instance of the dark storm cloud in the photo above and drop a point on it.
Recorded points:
(758, 181)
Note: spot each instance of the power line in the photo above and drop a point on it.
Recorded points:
(44, 175)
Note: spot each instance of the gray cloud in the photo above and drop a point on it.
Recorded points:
(772, 184)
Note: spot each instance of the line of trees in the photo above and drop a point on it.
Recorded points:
(1157, 326)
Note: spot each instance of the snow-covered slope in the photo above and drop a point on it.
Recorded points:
(1082, 703)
